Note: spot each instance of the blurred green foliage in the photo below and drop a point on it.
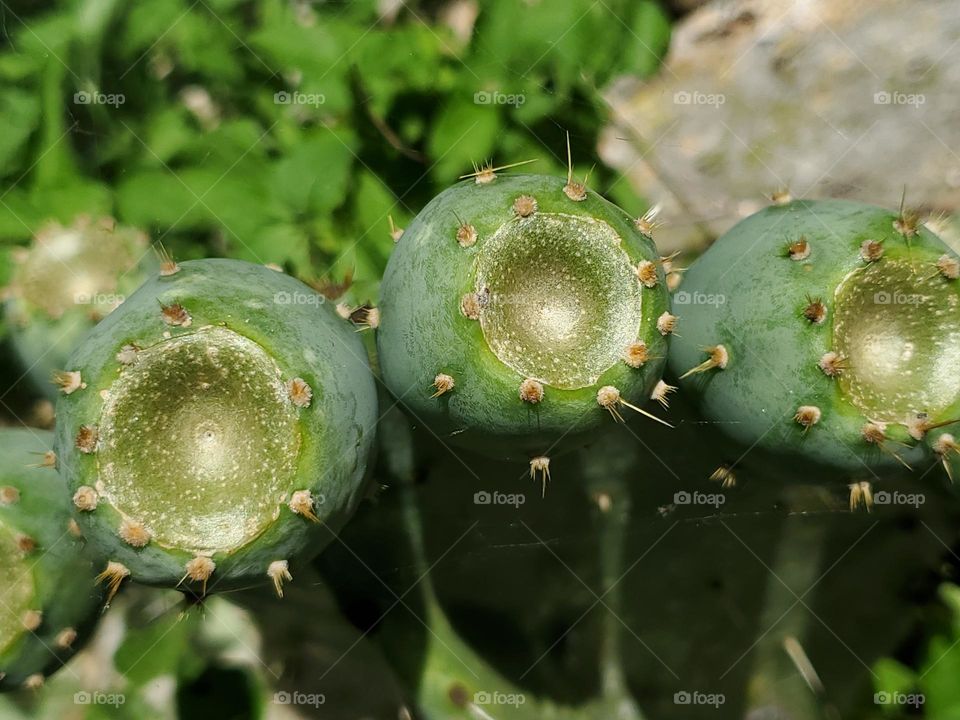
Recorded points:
(290, 131)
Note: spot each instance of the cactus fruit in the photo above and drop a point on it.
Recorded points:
(62, 285)
(520, 312)
(49, 601)
(826, 328)
(221, 427)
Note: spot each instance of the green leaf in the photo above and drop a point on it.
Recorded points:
(647, 40)
(464, 133)
(20, 111)
(312, 178)
(155, 649)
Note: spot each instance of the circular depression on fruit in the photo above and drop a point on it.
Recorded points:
(897, 324)
(560, 299)
(18, 589)
(199, 441)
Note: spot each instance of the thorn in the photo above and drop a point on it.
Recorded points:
(648, 223)
(279, 572)
(368, 318)
(168, 266)
(861, 495)
(49, 460)
(574, 190)
(919, 425)
(815, 311)
(667, 323)
(660, 393)
(395, 232)
(68, 381)
(608, 397)
(299, 392)
(200, 569)
(949, 267)
(802, 662)
(647, 273)
(944, 445)
(9, 495)
(114, 574)
(907, 220)
(832, 364)
(725, 476)
(442, 383)
(807, 416)
(466, 234)
(876, 434)
(487, 173)
(134, 533)
(718, 359)
(301, 503)
(540, 468)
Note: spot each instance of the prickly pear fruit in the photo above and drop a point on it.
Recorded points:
(50, 601)
(827, 328)
(220, 427)
(520, 313)
(63, 284)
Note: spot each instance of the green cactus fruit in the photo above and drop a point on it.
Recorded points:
(63, 284)
(219, 425)
(49, 601)
(519, 314)
(829, 329)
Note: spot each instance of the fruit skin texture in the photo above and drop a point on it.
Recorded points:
(306, 339)
(61, 574)
(423, 331)
(747, 293)
(63, 284)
